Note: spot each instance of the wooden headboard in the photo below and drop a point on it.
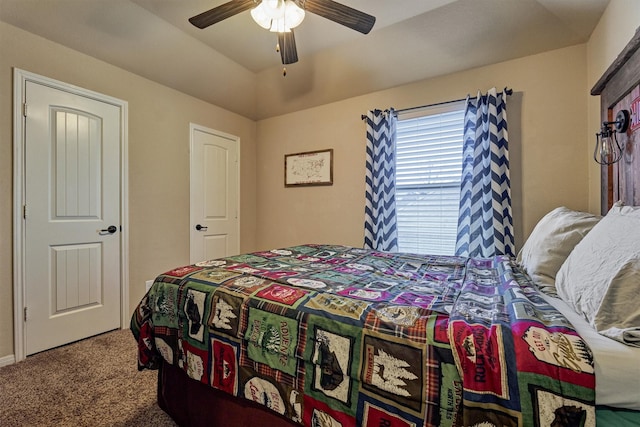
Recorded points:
(619, 88)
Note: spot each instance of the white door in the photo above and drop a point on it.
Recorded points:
(214, 194)
(72, 217)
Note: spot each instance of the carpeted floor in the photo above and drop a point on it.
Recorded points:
(94, 382)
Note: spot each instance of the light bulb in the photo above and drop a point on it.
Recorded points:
(606, 150)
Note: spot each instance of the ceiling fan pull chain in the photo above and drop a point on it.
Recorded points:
(284, 69)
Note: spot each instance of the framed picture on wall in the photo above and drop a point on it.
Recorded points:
(308, 169)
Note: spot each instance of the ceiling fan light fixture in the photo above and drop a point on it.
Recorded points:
(278, 16)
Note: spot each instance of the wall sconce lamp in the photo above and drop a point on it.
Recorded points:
(608, 150)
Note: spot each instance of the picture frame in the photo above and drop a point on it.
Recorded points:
(311, 168)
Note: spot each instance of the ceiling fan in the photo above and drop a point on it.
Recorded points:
(281, 16)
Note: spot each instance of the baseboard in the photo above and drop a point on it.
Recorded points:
(7, 360)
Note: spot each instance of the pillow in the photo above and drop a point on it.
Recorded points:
(601, 277)
(550, 243)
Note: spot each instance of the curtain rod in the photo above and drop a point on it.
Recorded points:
(506, 90)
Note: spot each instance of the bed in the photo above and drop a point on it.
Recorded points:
(330, 335)
(338, 336)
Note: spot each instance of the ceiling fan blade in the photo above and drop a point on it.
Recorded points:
(343, 15)
(288, 51)
(224, 11)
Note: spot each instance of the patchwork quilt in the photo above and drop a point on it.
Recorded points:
(340, 336)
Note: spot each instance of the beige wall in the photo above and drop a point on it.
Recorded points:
(159, 120)
(616, 27)
(547, 116)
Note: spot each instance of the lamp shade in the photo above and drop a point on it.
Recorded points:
(293, 14)
(261, 18)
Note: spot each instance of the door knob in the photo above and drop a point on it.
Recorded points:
(109, 230)
(201, 227)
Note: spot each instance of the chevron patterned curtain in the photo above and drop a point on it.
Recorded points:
(485, 225)
(380, 231)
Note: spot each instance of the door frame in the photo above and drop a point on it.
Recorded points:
(193, 127)
(20, 78)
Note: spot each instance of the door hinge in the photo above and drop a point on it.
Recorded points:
(24, 211)
(25, 314)
(24, 109)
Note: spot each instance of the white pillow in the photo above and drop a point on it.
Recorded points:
(601, 277)
(551, 242)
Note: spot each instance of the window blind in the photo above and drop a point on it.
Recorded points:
(428, 169)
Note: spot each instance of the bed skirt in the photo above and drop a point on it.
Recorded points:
(191, 403)
(194, 404)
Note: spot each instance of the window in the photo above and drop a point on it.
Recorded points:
(428, 170)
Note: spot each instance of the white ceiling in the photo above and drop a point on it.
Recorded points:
(233, 63)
